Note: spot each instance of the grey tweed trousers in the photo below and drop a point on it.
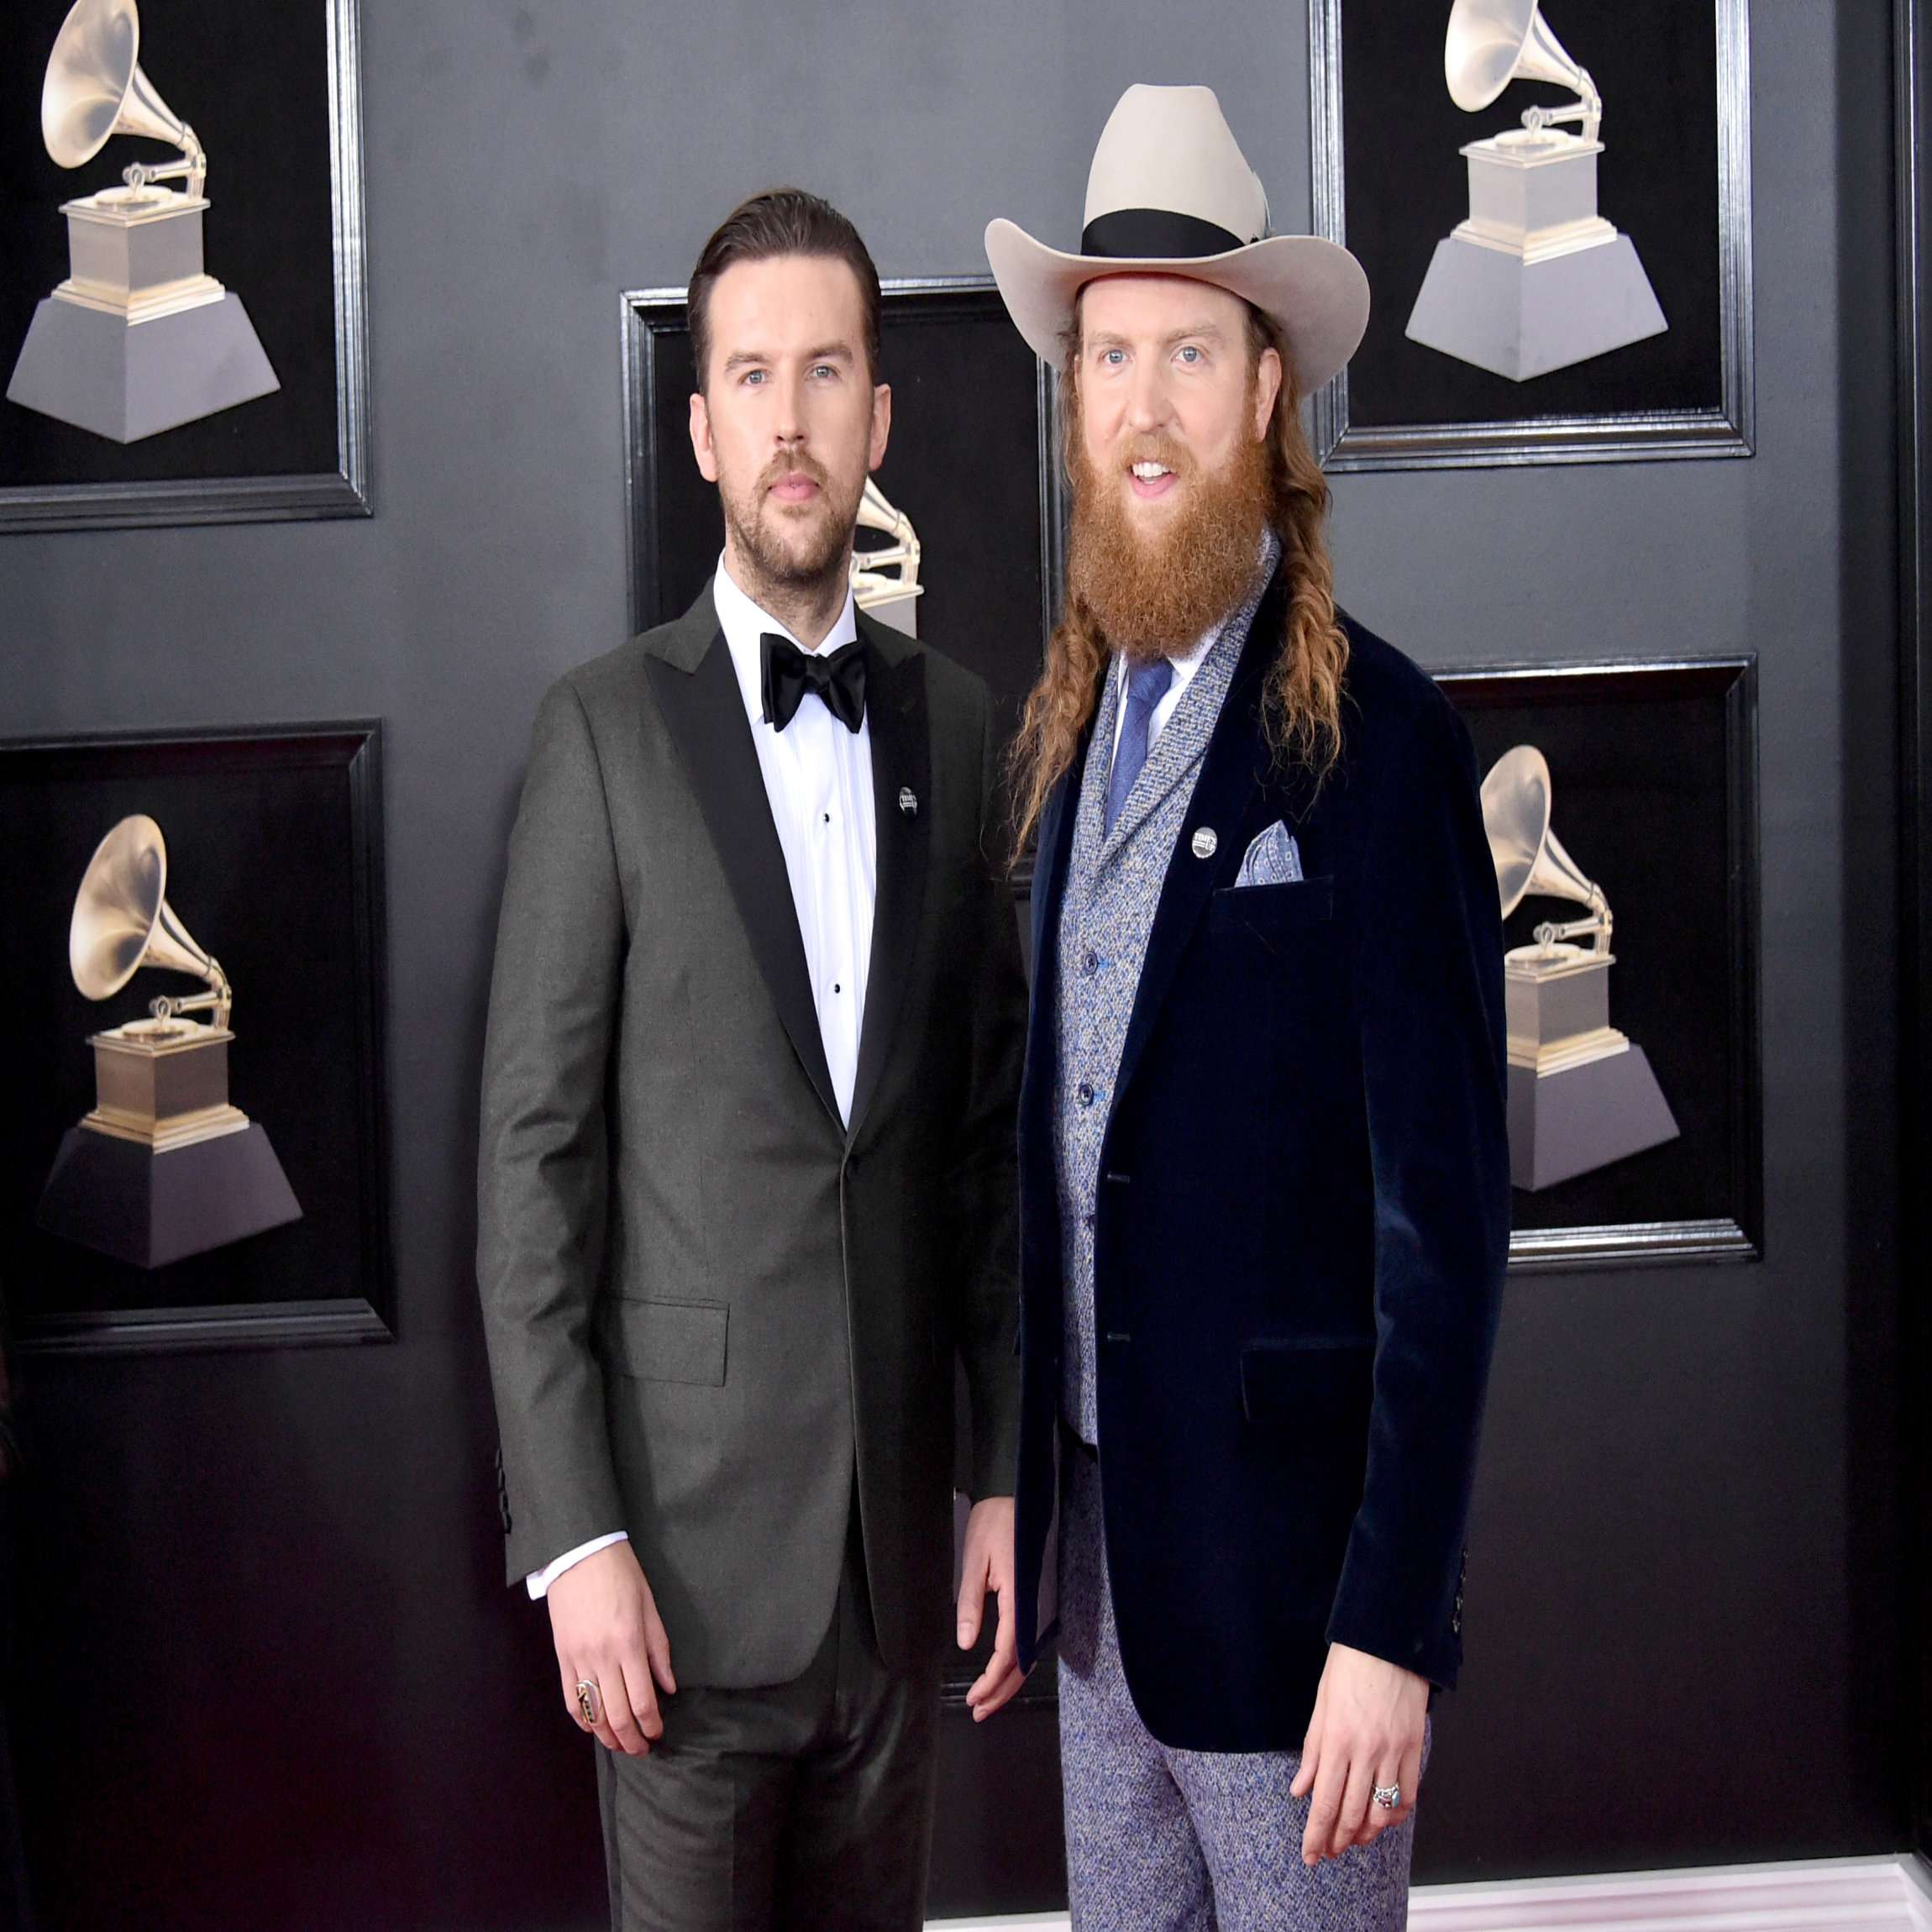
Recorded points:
(1164, 1841)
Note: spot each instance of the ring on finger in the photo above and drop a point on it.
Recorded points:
(589, 1701)
(1387, 1796)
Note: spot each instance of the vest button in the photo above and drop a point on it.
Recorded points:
(1086, 1093)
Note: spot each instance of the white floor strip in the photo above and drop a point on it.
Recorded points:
(1820, 1895)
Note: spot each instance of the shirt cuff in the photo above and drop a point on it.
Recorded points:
(539, 1581)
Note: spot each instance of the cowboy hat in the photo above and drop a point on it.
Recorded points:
(1170, 193)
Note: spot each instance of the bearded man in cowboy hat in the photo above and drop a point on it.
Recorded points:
(1265, 1194)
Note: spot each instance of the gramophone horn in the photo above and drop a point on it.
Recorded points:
(1494, 42)
(1529, 858)
(1516, 817)
(122, 918)
(95, 88)
(1556, 875)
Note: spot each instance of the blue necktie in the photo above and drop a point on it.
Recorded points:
(1146, 685)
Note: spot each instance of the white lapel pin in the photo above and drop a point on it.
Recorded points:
(1204, 842)
(907, 803)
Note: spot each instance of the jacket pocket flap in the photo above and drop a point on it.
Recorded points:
(1327, 1380)
(673, 1340)
(1268, 909)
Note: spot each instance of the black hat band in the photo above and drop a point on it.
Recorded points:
(1155, 235)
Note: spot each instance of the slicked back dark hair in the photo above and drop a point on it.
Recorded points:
(780, 222)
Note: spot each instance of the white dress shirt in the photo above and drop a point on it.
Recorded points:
(818, 777)
(818, 780)
(1185, 664)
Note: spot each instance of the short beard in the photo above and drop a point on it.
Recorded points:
(1155, 597)
(757, 530)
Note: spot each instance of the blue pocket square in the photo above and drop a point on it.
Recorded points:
(1274, 858)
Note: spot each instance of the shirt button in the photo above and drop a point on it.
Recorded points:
(1086, 1093)
(1091, 964)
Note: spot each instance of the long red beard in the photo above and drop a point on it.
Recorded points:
(1153, 597)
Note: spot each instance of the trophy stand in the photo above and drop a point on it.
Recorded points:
(164, 1167)
(1581, 1094)
(138, 338)
(1536, 279)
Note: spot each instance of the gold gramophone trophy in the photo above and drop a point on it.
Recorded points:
(165, 1166)
(1536, 279)
(139, 338)
(894, 599)
(1582, 1094)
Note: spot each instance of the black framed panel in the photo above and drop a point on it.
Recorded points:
(276, 99)
(273, 865)
(1674, 178)
(1653, 794)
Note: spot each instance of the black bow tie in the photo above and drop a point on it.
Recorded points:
(788, 673)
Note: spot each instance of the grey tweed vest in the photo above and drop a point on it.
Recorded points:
(1114, 884)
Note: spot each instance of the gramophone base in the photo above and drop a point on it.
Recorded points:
(1579, 1119)
(124, 380)
(122, 1198)
(1521, 319)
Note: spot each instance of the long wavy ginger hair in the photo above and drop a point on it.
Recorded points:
(1301, 702)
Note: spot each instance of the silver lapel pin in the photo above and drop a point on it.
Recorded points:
(1204, 842)
(907, 803)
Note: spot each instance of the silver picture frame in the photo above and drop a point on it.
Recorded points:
(343, 491)
(1726, 430)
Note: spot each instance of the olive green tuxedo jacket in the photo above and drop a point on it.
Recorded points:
(709, 1306)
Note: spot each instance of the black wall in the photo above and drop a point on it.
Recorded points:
(268, 1671)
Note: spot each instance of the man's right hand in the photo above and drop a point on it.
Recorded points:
(605, 1624)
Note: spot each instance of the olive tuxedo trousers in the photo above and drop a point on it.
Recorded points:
(804, 1807)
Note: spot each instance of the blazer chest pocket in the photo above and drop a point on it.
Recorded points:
(673, 1340)
(1273, 911)
(1322, 1387)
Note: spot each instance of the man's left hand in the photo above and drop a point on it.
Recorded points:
(989, 1566)
(1366, 1730)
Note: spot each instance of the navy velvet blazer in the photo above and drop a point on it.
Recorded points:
(1303, 1221)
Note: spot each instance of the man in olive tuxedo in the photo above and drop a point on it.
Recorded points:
(748, 1174)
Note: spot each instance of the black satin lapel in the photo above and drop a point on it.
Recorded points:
(901, 765)
(1232, 770)
(704, 711)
